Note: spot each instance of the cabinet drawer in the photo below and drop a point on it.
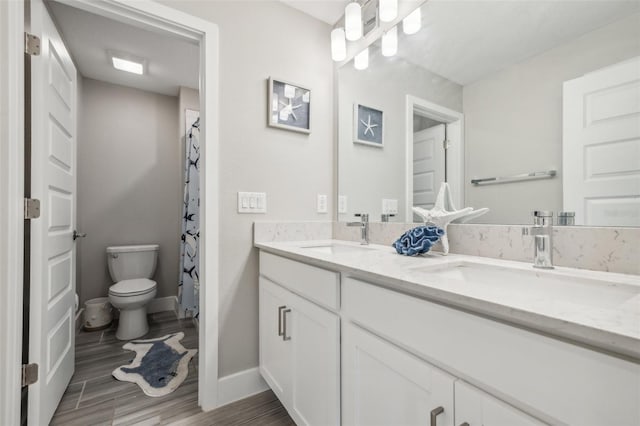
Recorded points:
(316, 284)
(518, 366)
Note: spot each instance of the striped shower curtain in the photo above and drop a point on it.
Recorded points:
(189, 284)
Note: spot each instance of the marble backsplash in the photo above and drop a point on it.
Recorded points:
(271, 231)
(599, 249)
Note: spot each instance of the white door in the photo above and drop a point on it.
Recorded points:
(53, 182)
(601, 146)
(315, 367)
(428, 165)
(275, 351)
(477, 408)
(384, 385)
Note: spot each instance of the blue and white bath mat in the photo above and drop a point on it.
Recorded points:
(160, 365)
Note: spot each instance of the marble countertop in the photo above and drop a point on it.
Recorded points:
(598, 309)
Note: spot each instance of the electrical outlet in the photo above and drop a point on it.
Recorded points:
(322, 203)
(342, 204)
(252, 202)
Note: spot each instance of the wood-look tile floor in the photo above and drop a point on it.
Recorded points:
(94, 397)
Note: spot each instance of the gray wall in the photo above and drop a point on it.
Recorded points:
(368, 174)
(513, 121)
(129, 181)
(257, 40)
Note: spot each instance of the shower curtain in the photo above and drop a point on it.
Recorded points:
(189, 258)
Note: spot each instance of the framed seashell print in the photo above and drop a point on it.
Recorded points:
(289, 106)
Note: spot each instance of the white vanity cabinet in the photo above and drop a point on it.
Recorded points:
(384, 385)
(300, 352)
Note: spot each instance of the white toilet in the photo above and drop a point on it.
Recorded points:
(131, 267)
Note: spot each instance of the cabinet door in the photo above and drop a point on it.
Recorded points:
(315, 366)
(275, 352)
(384, 385)
(477, 408)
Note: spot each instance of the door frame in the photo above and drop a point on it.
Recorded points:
(455, 151)
(11, 206)
(150, 15)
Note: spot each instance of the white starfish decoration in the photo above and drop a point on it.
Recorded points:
(369, 126)
(445, 212)
(289, 107)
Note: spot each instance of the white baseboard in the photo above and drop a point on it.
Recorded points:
(163, 304)
(240, 385)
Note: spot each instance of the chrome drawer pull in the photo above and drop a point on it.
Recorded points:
(434, 415)
(284, 325)
(280, 332)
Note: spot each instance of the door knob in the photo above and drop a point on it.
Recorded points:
(77, 235)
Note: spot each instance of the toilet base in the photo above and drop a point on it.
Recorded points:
(133, 323)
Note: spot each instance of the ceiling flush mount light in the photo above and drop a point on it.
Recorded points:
(390, 42)
(412, 23)
(128, 65)
(361, 60)
(353, 21)
(338, 45)
(388, 10)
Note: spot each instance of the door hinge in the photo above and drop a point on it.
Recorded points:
(31, 208)
(31, 44)
(446, 144)
(29, 374)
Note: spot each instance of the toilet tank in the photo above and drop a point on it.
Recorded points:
(130, 262)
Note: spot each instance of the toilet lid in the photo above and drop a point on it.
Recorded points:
(132, 287)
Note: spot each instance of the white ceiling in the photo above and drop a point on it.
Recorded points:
(329, 11)
(467, 40)
(171, 62)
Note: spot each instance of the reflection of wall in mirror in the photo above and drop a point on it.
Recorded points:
(514, 120)
(366, 174)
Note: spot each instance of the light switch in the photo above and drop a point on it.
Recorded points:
(389, 206)
(252, 202)
(322, 203)
(342, 204)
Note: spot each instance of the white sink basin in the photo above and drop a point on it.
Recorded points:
(535, 284)
(334, 248)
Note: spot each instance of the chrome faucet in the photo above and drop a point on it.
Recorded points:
(364, 227)
(542, 231)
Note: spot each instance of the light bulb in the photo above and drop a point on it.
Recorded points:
(353, 21)
(390, 42)
(338, 45)
(388, 10)
(361, 60)
(412, 23)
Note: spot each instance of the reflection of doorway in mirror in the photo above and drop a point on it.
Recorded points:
(428, 161)
(601, 146)
(434, 153)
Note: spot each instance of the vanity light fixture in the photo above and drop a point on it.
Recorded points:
(338, 45)
(361, 60)
(389, 45)
(388, 10)
(353, 21)
(412, 23)
(127, 65)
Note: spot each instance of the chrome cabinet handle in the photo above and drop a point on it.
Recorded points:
(284, 325)
(77, 235)
(434, 415)
(464, 424)
(280, 308)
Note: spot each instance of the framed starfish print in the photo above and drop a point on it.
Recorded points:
(368, 125)
(289, 106)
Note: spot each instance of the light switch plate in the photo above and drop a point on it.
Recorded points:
(389, 206)
(342, 204)
(252, 202)
(321, 203)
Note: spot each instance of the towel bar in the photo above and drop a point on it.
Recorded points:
(516, 178)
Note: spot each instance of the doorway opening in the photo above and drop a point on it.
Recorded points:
(107, 112)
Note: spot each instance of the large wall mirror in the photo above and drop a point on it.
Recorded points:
(517, 105)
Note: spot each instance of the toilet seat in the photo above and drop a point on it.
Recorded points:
(133, 287)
